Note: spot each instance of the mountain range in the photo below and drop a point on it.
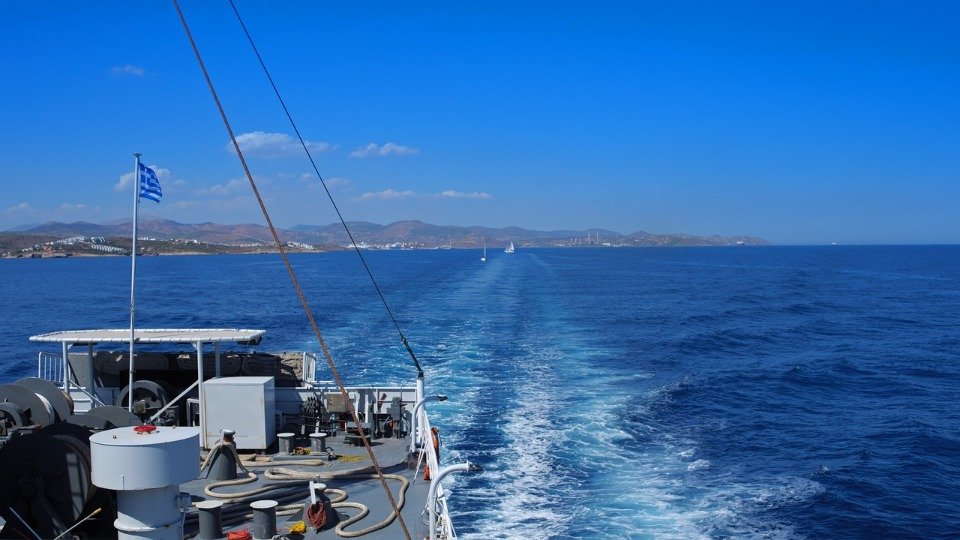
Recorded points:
(407, 233)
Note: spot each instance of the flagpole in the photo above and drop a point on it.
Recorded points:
(133, 271)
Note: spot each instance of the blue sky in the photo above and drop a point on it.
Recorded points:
(798, 122)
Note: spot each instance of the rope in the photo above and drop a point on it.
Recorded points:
(313, 163)
(242, 534)
(316, 514)
(285, 478)
(293, 276)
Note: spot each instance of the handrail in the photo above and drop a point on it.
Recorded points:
(51, 365)
(433, 462)
(169, 403)
(93, 386)
(48, 366)
(92, 397)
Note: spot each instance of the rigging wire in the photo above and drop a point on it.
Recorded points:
(293, 277)
(316, 169)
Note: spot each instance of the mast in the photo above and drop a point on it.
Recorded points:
(133, 271)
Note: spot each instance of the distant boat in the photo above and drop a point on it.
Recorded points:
(484, 258)
(510, 248)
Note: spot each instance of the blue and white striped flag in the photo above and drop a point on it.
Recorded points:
(149, 184)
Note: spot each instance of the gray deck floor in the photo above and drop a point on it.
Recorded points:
(391, 455)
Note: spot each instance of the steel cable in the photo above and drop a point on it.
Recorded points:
(293, 277)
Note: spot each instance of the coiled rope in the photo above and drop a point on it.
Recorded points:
(284, 478)
(293, 277)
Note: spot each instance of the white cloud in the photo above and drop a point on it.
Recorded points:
(127, 178)
(390, 194)
(65, 207)
(229, 187)
(22, 207)
(450, 194)
(274, 145)
(73, 211)
(387, 195)
(124, 182)
(373, 150)
(136, 71)
(334, 183)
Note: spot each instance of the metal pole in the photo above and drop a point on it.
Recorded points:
(66, 368)
(415, 420)
(414, 429)
(216, 358)
(435, 483)
(133, 271)
(91, 375)
(203, 423)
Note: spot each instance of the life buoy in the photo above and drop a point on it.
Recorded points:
(435, 435)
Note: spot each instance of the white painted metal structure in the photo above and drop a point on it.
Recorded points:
(146, 470)
(287, 405)
(153, 335)
(193, 336)
(246, 405)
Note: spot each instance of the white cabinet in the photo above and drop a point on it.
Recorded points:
(243, 404)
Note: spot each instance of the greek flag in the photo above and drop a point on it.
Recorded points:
(149, 184)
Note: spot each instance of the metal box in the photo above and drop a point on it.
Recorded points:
(244, 404)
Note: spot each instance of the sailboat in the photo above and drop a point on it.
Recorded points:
(484, 258)
(510, 248)
(118, 471)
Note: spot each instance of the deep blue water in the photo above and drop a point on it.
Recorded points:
(781, 392)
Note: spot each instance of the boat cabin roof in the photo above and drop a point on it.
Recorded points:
(153, 335)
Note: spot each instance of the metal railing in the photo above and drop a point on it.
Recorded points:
(50, 367)
(425, 434)
(309, 373)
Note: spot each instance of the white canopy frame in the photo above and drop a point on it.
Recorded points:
(196, 337)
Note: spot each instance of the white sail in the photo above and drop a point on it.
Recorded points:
(510, 248)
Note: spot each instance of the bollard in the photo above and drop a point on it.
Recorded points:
(264, 519)
(318, 442)
(211, 522)
(224, 465)
(285, 442)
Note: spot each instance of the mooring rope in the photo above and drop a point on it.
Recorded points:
(293, 277)
(285, 478)
(306, 149)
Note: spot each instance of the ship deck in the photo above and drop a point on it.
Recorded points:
(351, 472)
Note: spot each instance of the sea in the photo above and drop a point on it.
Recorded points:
(742, 392)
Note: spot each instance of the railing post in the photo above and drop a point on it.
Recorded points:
(66, 368)
(414, 429)
(415, 420)
(91, 374)
(435, 482)
(203, 423)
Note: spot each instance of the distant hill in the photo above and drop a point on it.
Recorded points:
(160, 229)
(406, 233)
